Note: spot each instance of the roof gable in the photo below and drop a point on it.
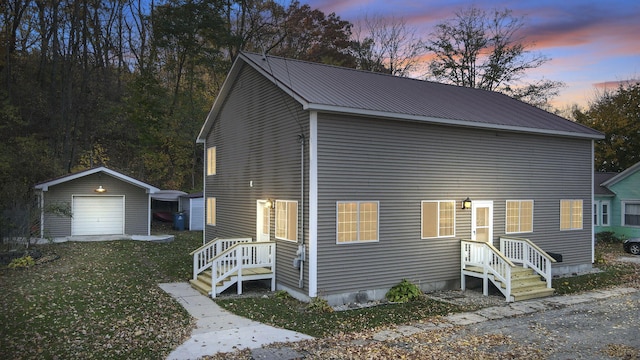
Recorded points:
(328, 88)
(621, 176)
(44, 186)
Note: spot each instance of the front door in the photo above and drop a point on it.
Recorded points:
(263, 227)
(482, 221)
(263, 221)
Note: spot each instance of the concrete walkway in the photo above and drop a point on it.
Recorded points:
(219, 330)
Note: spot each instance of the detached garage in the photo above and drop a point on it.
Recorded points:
(98, 201)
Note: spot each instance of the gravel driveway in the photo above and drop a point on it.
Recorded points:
(601, 329)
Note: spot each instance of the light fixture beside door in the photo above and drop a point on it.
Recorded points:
(466, 203)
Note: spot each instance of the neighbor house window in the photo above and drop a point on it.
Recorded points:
(519, 216)
(357, 221)
(211, 161)
(438, 218)
(570, 214)
(601, 213)
(287, 220)
(211, 211)
(631, 213)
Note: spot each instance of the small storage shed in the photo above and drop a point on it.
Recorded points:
(100, 201)
(193, 206)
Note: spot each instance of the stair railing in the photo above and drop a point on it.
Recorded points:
(242, 255)
(492, 262)
(525, 252)
(202, 256)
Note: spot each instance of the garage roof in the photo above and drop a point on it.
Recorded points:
(44, 186)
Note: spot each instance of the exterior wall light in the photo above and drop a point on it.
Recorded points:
(268, 204)
(100, 189)
(466, 203)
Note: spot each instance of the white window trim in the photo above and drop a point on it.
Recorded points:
(519, 224)
(623, 212)
(438, 221)
(597, 206)
(571, 215)
(358, 231)
(277, 204)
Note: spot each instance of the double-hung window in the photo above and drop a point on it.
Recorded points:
(519, 216)
(287, 220)
(570, 214)
(211, 211)
(438, 219)
(631, 213)
(601, 213)
(211, 161)
(357, 221)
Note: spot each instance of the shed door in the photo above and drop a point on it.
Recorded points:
(98, 215)
(482, 221)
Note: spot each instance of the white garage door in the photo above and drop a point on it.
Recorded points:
(98, 215)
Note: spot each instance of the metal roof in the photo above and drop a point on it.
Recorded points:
(329, 88)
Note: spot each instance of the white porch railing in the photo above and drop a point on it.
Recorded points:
(479, 257)
(524, 252)
(236, 263)
(202, 256)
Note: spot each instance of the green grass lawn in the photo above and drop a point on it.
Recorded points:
(99, 300)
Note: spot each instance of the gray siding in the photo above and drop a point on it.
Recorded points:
(400, 164)
(256, 139)
(136, 203)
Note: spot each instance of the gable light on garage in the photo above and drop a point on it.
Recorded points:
(100, 189)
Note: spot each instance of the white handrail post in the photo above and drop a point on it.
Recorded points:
(214, 278)
(272, 260)
(195, 266)
(239, 256)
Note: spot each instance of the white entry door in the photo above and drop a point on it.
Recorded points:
(482, 221)
(263, 221)
(263, 228)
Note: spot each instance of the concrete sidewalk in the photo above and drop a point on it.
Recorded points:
(219, 330)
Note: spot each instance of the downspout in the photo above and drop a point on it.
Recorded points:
(593, 228)
(301, 249)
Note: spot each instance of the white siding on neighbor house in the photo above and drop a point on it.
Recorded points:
(401, 164)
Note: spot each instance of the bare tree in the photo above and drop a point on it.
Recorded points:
(386, 45)
(485, 50)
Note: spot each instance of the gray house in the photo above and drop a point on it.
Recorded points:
(101, 201)
(359, 179)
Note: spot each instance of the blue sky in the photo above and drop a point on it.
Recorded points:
(592, 44)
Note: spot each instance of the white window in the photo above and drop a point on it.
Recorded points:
(357, 221)
(211, 211)
(211, 161)
(519, 216)
(631, 213)
(601, 213)
(604, 213)
(438, 219)
(287, 220)
(570, 214)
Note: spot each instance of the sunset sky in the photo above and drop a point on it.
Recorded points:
(592, 44)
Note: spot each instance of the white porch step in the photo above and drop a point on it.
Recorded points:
(203, 282)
